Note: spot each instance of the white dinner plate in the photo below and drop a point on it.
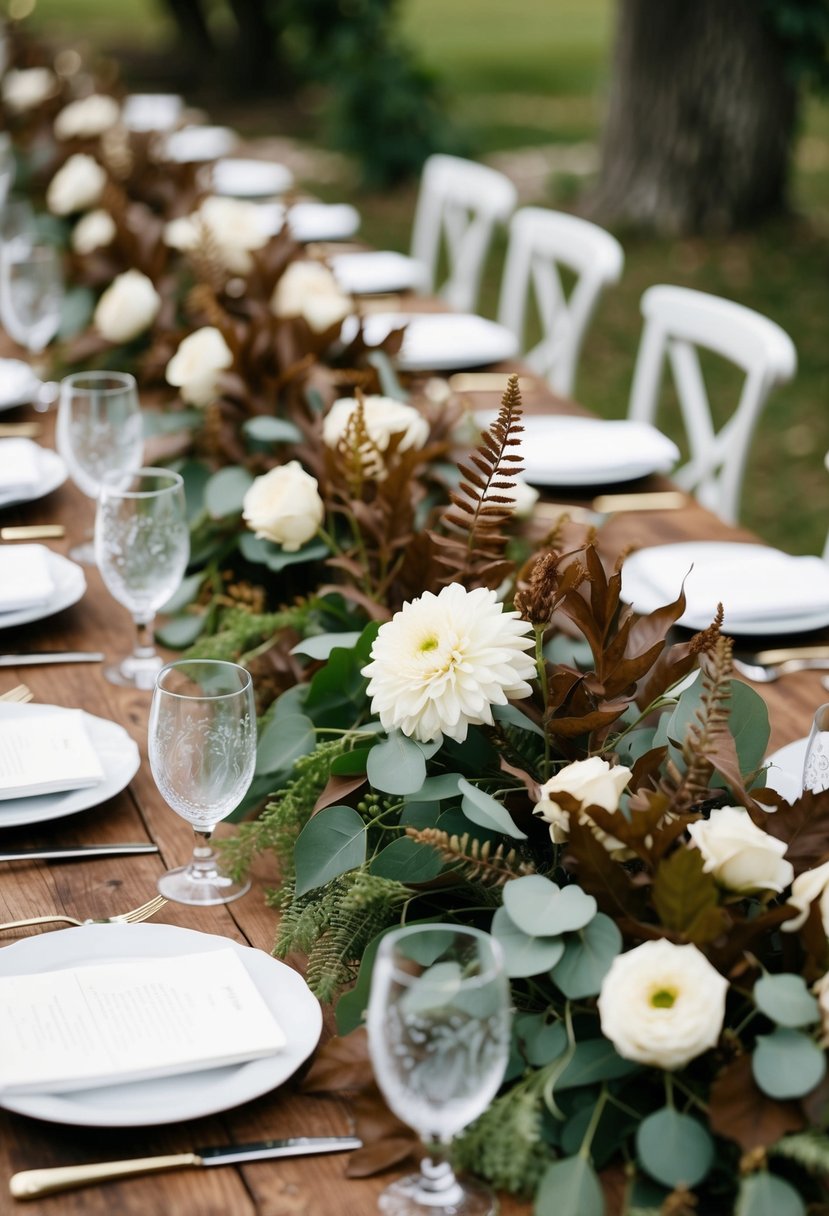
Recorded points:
(52, 473)
(18, 383)
(725, 557)
(560, 450)
(240, 177)
(312, 221)
(192, 144)
(119, 758)
(376, 270)
(151, 111)
(189, 1095)
(70, 584)
(784, 771)
(438, 341)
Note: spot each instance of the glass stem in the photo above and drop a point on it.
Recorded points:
(204, 864)
(438, 1186)
(144, 646)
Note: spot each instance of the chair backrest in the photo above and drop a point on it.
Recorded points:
(459, 204)
(677, 321)
(541, 241)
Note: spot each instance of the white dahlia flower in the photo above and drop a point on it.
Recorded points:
(444, 660)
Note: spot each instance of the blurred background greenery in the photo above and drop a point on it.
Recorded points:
(524, 85)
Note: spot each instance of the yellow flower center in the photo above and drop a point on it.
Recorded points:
(664, 998)
(429, 644)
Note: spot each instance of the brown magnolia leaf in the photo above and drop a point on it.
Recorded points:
(338, 788)
(614, 1182)
(343, 1064)
(803, 825)
(742, 934)
(815, 1104)
(599, 875)
(686, 898)
(532, 786)
(740, 1111)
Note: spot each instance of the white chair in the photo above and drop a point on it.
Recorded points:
(677, 321)
(540, 241)
(826, 546)
(459, 205)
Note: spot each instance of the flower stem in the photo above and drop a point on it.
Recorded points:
(541, 668)
(592, 1127)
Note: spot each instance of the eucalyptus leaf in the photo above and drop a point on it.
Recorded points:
(290, 702)
(569, 1187)
(407, 861)
(265, 552)
(168, 423)
(512, 716)
(265, 429)
(195, 476)
(764, 1194)
(320, 645)
(282, 742)
(225, 491)
(786, 1000)
(330, 844)
(76, 311)
(350, 764)
(540, 1041)
(787, 1063)
(187, 591)
(181, 631)
(524, 955)
(675, 1149)
(748, 722)
(587, 957)
(397, 765)
(542, 909)
(444, 785)
(488, 812)
(420, 815)
(592, 1061)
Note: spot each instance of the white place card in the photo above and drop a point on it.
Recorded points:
(46, 754)
(25, 578)
(110, 1023)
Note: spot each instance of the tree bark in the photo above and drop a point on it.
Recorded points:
(701, 118)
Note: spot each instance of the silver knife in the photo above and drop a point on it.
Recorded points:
(66, 852)
(31, 1184)
(50, 656)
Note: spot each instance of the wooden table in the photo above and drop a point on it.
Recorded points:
(308, 1186)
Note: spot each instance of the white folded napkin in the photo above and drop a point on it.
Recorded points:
(25, 577)
(19, 469)
(245, 178)
(18, 383)
(371, 271)
(440, 340)
(46, 753)
(753, 582)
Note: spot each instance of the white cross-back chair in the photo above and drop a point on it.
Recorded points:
(459, 205)
(540, 242)
(677, 321)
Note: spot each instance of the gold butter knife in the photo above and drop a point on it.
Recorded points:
(20, 430)
(766, 658)
(33, 532)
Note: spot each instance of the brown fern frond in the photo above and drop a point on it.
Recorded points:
(202, 302)
(206, 259)
(476, 861)
(705, 641)
(710, 721)
(359, 456)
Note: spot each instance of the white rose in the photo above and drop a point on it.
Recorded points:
(26, 88)
(309, 290)
(284, 506)
(741, 856)
(128, 306)
(234, 227)
(806, 888)
(93, 231)
(594, 783)
(523, 496)
(662, 1004)
(383, 416)
(87, 118)
(76, 186)
(195, 366)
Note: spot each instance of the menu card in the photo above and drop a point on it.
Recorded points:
(44, 753)
(19, 468)
(25, 578)
(109, 1023)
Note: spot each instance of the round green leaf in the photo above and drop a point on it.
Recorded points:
(271, 430)
(763, 1194)
(541, 1041)
(225, 491)
(513, 717)
(786, 1000)
(397, 765)
(331, 843)
(187, 591)
(569, 1188)
(487, 811)
(542, 909)
(283, 741)
(434, 789)
(524, 955)
(675, 1149)
(787, 1064)
(406, 860)
(181, 631)
(320, 645)
(587, 958)
(594, 1060)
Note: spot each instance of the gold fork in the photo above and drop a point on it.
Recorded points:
(21, 693)
(143, 912)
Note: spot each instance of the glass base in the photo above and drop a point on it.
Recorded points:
(187, 885)
(135, 673)
(84, 553)
(409, 1197)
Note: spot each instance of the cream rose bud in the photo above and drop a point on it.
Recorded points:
(128, 306)
(93, 231)
(77, 185)
(309, 290)
(235, 228)
(284, 506)
(593, 782)
(662, 1004)
(384, 417)
(87, 118)
(806, 888)
(195, 366)
(27, 88)
(741, 856)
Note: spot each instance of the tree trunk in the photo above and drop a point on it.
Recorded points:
(701, 118)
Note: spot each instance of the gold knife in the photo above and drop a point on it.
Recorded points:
(20, 430)
(33, 532)
(766, 658)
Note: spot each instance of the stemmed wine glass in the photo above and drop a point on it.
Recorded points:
(439, 1036)
(202, 743)
(142, 546)
(816, 763)
(99, 430)
(31, 293)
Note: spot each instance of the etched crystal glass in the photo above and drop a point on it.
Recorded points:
(142, 546)
(202, 744)
(439, 1035)
(31, 293)
(816, 763)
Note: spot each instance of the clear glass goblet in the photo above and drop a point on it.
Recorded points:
(439, 1036)
(816, 763)
(99, 430)
(31, 293)
(142, 546)
(202, 743)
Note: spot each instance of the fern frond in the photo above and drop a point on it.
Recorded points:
(710, 720)
(477, 862)
(505, 1144)
(809, 1149)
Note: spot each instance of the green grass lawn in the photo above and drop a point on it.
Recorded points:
(534, 73)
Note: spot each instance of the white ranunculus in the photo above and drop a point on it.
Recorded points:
(77, 185)
(234, 228)
(309, 290)
(524, 497)
(93, 231)
(383, 416)
(87, 118)
(128, 306)
(595, 783)
(806, 888)
(195, 366)
(444, 660)
(284, 506)
(741, 856)
(27, 88)
(662, 1004)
